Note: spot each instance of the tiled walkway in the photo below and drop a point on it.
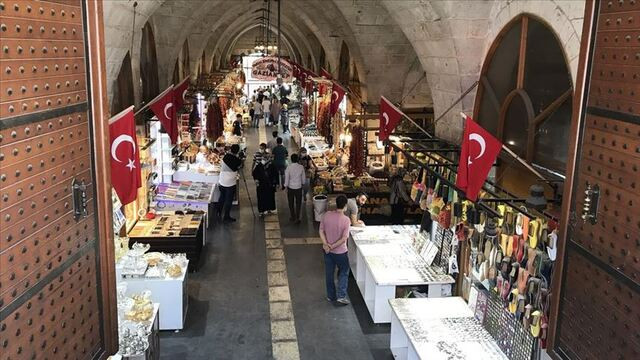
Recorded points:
(259, 293)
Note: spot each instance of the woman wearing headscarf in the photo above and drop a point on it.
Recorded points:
(263, 173)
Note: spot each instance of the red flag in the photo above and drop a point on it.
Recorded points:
(336, 98)
(165, 111)
(326, 74)
(390, 117)
(180, 93)
(125, 160)
(478, 152)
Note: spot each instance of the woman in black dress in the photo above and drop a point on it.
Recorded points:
(265, 189)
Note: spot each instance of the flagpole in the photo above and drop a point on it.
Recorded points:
(408, 118)
(152, 101)
(119, 115)
(515, 156)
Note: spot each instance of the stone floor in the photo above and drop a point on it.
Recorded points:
(232, 313)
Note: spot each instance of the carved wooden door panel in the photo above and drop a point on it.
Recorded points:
(50, 306)
(598, 310)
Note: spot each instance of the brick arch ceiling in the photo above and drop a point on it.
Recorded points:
(304, 42)
(197, 19)
(224, 44)
(292, 49)
(292, 16)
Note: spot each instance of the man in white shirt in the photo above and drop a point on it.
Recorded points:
(266, 109)
(227, 181)
(294, 177)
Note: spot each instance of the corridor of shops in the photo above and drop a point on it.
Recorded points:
(319, 179)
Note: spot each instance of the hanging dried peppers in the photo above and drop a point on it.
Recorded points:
(356, 151)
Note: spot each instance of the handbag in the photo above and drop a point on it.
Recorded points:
(418, 188)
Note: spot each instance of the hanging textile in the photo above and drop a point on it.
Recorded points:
(214, 121)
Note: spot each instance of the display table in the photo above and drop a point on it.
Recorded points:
(172, 234)
(194, 176)
(443, 328)
(383, 258)
(185, 196)
(153, 351)
(170, 293)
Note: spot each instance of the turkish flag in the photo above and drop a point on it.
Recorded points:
(336, 98)
(478, 152)
(390, 117)
(165, 111)
(125, 160)
(324, 73)
(180, 93)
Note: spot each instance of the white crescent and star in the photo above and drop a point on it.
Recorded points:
(166, 107)
(114, 147)
(184, 95)
(386, 119)
(480, 140)
(335, 93)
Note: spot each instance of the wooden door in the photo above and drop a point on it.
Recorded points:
(596, 310)
(55, 298)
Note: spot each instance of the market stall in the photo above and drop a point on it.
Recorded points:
(391, 260)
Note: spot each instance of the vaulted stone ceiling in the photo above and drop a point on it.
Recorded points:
(392, 43)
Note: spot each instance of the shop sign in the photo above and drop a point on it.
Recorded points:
(266, 68)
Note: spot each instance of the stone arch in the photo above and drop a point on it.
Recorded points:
(563, 17)
(524, 98)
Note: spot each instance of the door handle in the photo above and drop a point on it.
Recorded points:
(79, 193)
(591, 201)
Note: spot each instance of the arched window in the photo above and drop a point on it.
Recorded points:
(321, 59)
(185, 61)
(176, 72)
(148, 65)
(123, 91)
(345, 62)
(524, 96)
(203, 68)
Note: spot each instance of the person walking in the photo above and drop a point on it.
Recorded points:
(265, 189)
(398, 197)
(271, 144)
(266, 110)
(237, 125)
(252, 111)
(275, 111)
(294, 181)
(227, 181)
(284, 118)
(261, 153)
(334, 232)
(257, 113)
(280, 155)
(305, 161)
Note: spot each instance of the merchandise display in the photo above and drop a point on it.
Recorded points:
(137, 324)
(383, 258)
(171, 234)
(439, 329)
